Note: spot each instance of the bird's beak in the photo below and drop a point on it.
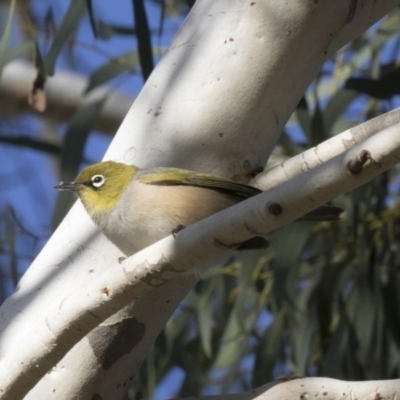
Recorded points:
(71, 186)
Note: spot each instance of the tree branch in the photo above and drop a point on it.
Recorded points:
(317, 389)
(315, 156)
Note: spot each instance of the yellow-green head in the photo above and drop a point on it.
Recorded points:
(100, 186)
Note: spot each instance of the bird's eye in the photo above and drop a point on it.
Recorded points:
(98, 180)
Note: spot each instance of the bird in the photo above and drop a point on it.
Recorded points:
(137, 207)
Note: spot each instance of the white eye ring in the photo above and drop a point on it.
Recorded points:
(98, 180)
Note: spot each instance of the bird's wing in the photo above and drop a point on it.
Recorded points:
(179, 177)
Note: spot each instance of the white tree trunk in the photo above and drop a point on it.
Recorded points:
(216, 102)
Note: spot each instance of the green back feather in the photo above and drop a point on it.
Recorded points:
(175, 177)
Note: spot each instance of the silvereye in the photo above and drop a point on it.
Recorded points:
(137, 207)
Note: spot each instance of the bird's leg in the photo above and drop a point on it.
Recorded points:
(255, 243)
(177, 229)
(226, 246)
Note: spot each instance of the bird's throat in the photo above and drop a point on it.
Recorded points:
(97, 207)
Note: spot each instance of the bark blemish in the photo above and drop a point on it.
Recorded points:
(110, 342)
(356, 165)
(352, 11)
(275, 209)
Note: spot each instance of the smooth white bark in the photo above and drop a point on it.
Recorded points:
(216, 102)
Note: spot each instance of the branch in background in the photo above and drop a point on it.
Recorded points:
(64, 93)
(26, 141)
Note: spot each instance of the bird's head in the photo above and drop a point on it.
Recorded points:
(100, 186)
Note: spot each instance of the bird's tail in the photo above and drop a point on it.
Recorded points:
(323, 213)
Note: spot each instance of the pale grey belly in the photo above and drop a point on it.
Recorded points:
(131, 239)
(148, 213)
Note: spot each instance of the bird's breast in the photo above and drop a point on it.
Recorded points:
(147, 213)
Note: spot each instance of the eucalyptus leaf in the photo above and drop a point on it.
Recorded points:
(336, 107)
(269, 350)
(5, 39)
(75, 12)
(205, 322)
(127, 62)
(144, 39)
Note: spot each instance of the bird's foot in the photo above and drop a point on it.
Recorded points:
(120, 259)
(254, 243)
(177, 229)
(225, 246)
